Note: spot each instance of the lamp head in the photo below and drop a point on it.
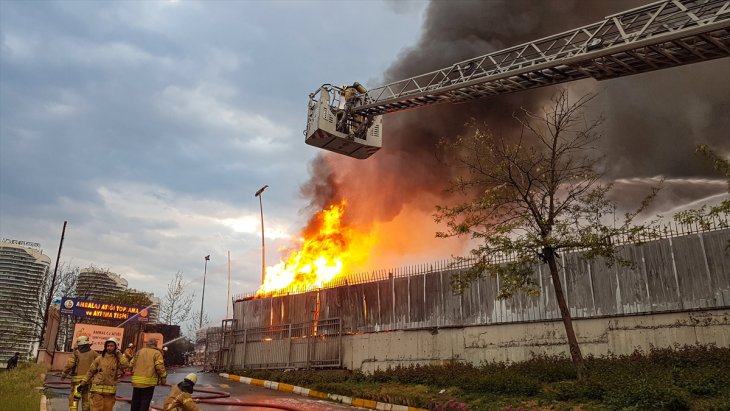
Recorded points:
(261, 190)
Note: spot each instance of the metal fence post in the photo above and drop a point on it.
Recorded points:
(309, 343)
(245, 341)
(288, 354)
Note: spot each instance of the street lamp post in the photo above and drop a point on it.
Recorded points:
(202, 300)
(263, 244)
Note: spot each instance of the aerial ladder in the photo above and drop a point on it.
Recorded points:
(349, 119)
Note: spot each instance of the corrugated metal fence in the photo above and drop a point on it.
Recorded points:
(310, 344)
(674, 273)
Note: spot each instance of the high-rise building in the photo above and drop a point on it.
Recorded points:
(98, 284)
(23, 272)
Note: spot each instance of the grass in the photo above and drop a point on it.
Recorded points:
(694, 378)
(18, 387)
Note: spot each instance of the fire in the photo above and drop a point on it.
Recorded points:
(328, 250)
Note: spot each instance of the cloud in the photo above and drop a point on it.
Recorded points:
(206, 104)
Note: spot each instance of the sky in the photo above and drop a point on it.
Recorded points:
(149, 126)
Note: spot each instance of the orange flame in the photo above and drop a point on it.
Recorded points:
(327, 253)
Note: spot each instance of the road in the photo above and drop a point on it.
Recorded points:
(239, 392)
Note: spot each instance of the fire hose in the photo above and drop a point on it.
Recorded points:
(214, 398)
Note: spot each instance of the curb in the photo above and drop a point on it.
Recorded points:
(306, 392)
(44, 403)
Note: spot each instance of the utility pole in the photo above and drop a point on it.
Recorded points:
(202, 300)
(53, 285)
(263, 244)
(228, 296)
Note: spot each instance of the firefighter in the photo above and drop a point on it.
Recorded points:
(148, 370)
(102, 376)
(352, 95)
(77, 367)
(350, 92)
(129, 352)
(180, 397)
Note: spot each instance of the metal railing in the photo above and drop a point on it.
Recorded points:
(658, 35)
(312, 344)
(667, 230)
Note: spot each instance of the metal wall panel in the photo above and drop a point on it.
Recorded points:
(680, 272)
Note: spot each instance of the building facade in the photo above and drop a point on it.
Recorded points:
(23, 273)
(99, 284)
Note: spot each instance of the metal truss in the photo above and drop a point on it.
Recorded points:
(659, 35)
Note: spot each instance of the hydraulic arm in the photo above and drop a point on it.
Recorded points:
(659, 35)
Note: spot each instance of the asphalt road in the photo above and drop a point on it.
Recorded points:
(239, 392)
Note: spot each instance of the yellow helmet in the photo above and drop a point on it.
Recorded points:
(192, 377)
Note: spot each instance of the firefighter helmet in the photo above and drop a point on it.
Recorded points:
(192, 377)
(82, 340)
(113, 340)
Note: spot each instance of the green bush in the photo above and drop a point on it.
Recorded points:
(696, 377)
(701, 382)
(647, 395)
(546, 369)
(506, 383)
(574, 390)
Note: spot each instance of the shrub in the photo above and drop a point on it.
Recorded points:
(574, 390)
(546, 368)
(646, 395)
(701, 382)
(504, 383)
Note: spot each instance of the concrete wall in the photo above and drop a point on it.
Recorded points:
(518, 342)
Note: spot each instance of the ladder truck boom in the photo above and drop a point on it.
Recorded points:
(663, 34)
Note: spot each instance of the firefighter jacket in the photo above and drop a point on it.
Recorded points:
(102, 374)
(148, 368)
(78, 364)
(179, 400)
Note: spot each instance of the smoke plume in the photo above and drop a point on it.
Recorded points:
(653, 123)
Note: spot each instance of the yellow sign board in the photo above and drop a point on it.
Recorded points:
(98, 334)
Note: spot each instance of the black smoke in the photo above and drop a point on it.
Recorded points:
(653, 120)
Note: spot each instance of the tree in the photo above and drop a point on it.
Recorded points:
(130, 297)
(529, 200)
(176, 306)
(705, 216)
(194, 325)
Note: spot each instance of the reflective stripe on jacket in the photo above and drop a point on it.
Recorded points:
(103, 371)
(103, 389)
(179, 400)
(148, 367)
(81, 361)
